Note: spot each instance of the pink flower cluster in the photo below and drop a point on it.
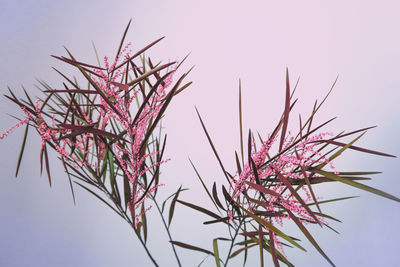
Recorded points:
(85, 133)
(293, 165)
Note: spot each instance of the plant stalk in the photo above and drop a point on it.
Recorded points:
(168, 232)
(233, 241)
(145, 247)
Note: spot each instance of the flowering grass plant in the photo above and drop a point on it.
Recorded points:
(271, 186)
(108, 133)
(108, 136)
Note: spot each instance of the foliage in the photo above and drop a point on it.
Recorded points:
(106, 137)
(271, 186)
(105, 133)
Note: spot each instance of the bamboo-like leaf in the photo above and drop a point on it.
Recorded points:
(309, 121)
(296, 195)
(216, 252)
(203, 210)
(278, 254)
(327, 216)
(79, 91)
(69, 178)
(240, 120)
(122, 40)
(97, 55)
(357, 148)
(95, 86)
(308, 236)
(357, 185)
(239, 169)
(263, 189)
(74, 62)
(223, 219)
(213, 147)
(165, 201)
(318, 180)
(22, 149)
(138, 53)
(144, 222)
(255, 172)
(286, 111)
(168, 99)
(351, 133)
(307, 180)
(332, 200)
(215, 195)
(237, 252)
(272, 228)
(261, 244)
(340, 151)
(20, 104)
(149, 73)
(229, 199)
(90, 129)
(147, 98)
(183, 88)
(46, 158)
(113, 175)
(191, 247)
(204, 186)
(272, 247)
(358, 173)
(249, 148)
(127, 190)
(172, 207)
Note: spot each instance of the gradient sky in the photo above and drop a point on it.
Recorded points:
(228, 40)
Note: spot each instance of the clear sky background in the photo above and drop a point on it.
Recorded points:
(251, 40)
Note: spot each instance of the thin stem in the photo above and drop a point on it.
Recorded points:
(145, 247)
(233, 241)
(105, 190)
(168, 232)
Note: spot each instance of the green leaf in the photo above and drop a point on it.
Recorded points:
(332, 200)
(216, 252)
(112, 172)
(237, 252)
(357, 185)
